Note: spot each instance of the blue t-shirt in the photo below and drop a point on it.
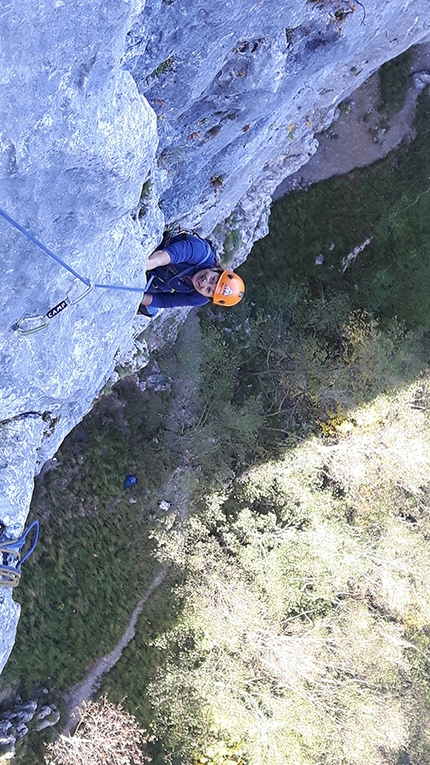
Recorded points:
(172, 285)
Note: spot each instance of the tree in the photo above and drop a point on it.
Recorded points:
(105, 735)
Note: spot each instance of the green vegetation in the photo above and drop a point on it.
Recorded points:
(316, 564)
(317, 568)
(144, 197)
(389, 201)
(394, 79)
(294, 624)
(163, 68)
(94, 557)
(232, 241)
(313, 552)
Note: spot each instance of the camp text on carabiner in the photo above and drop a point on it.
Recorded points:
(28, 324)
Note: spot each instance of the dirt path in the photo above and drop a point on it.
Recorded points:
(176, 492)
(84, 690)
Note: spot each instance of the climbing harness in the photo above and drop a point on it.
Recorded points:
(28, 324)
(10, 555)
(165, 281)
(171, 236)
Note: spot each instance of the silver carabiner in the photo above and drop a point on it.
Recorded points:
(89, 289)
(41, 318)
(9, 576)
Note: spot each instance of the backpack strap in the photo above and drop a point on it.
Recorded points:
(171, 238)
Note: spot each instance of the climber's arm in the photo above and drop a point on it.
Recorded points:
(158, 258)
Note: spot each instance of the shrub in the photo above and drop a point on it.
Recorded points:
(105, 733)
(318, 619)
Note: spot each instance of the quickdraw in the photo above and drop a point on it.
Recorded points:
(28, 324)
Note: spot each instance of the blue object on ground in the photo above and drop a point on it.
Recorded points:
(129, 481)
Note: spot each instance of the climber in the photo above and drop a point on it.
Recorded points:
(186, 272)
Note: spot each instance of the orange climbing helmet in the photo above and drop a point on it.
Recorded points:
(229, 289)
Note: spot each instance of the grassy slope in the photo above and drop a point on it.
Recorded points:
(94, 558)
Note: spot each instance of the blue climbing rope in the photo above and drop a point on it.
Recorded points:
(40, 321)
(59, 260)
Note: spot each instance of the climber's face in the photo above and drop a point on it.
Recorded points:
(205, 281)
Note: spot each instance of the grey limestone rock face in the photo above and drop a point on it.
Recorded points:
(240, 90)
(76, 141)
(48, 721)
(117, 117)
